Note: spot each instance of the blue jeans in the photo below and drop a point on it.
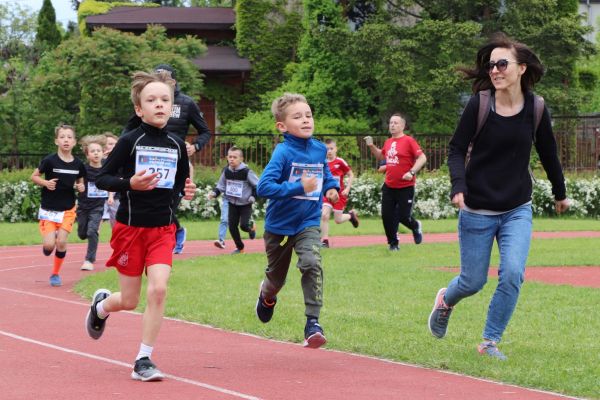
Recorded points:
(476, 233)
(224, 218)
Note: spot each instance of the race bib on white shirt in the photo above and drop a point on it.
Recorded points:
(94, 193)
(52, 216)
(234, 188)
(311, 170)
(158, 159)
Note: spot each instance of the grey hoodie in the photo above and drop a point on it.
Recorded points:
(241, 183)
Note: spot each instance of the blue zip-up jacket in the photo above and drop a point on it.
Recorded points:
(290, 211)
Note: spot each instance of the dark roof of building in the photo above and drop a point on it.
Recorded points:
(181, 18)
(219, 58)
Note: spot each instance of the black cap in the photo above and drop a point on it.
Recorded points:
(165, 67)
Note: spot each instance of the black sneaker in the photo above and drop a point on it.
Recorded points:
(438, 319)
(353, 218)
(94, 324)
(418, 233)
(264, 308)
(252, 233)
(325, 243)
(313, 334)
(394, 247)
(144, 370)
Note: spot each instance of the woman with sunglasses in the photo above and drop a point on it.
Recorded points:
(493, 189)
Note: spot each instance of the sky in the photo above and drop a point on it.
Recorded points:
(64, 12)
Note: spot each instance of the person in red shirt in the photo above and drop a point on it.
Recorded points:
(403, 159)
(339, 169)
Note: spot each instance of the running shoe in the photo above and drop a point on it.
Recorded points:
(490, 348)
(264, 307)
(313, 334)
(144, 370)
(94, 324)
(438, 319)
(55, 280)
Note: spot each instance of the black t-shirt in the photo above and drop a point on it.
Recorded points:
(63, 197)
(92, 197)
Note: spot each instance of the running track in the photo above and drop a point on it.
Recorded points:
(46, 353)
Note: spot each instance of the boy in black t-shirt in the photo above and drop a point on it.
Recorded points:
(61, 172)
(90, 204)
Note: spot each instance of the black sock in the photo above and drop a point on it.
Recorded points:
(46, 251)
(60, 254)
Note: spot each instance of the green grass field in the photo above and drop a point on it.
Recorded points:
(23, 233)
(377, 303)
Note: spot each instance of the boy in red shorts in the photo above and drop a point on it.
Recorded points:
(339, 169)
(154, 166)
(61, 171)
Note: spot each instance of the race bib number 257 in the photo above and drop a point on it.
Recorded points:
(158, 159)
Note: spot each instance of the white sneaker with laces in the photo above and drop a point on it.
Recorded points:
(87, 266)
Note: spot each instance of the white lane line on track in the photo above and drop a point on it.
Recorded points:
(127, 365)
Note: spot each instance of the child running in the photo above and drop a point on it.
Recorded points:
(61, 172)
(294, 181)
(112, 203)
(154, 165)
(238, 182)
(339, 169)
(90, 202)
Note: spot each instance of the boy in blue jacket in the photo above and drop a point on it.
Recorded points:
(294, 181)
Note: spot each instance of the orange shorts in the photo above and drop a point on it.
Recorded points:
(135, 248)
(47, 227)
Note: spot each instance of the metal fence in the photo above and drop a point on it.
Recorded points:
(578, 140)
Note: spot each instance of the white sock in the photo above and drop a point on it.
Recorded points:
(145, 351)
(100, 310)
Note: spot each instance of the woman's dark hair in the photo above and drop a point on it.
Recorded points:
(523, 55)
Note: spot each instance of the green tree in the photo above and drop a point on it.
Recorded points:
(48, 36)
(267, 33)
(86, 80)
(17, 33)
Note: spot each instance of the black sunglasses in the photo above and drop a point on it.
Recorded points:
(501, 65)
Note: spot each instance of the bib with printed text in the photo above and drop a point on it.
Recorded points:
(158, 159)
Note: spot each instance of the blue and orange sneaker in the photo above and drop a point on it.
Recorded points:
(264, 307)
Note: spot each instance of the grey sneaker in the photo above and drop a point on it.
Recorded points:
(490, 348)
(144, 370)
(93, 323)
(438, 319)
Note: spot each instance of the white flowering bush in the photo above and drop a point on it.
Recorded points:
(432, 198)
(365, 194)
(200, 206)
(19, 201)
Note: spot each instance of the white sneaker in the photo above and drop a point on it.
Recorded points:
(87, 266)
(219, 243)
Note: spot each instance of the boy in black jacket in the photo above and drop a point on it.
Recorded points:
(154, 167)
